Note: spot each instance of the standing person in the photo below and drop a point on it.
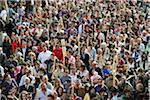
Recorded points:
(48, 84)
(43, 92)
(28, 74)
(24, 49)
(2, 57)
(44, 55)
(58, 52)
(7, 46)
(7, 84)
(27, 86)
(3, 14)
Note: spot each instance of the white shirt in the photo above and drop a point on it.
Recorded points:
(22, 81)
(142, 47)
(73, 78)
(2, 70)
(84, 73)
(3, 14)
(24, 51)
(43, 56)
(41, 96)
(72, 60)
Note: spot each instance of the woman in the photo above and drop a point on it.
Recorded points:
(60, 91)
(57, 84)
(22, 95)
(7, 46)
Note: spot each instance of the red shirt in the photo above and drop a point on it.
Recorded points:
(58, 53)
(39, 49)
(14, 46)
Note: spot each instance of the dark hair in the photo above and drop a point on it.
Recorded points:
(51, 96)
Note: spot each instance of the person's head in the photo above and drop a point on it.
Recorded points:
(60, 91)
(99, 81)
(66, 72)
(57, 47)
(44, 48)
(94, 64)
(29, 96)
(24, 44)
(7, 77)
(57, 83)
(27, 80)
(7, 39)
(69, 53)
(28, 72)
(45, 79)
(77, 57)
(43, 86)
(50, 97)
(111, 76)
(82, 68)
(22, 95)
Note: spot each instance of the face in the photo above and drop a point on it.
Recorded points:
(45, 80)
(44, 48)
(29, 97)
(43, 87)
(60, 90)
(50, 98)
(27, 81)
(24, 44)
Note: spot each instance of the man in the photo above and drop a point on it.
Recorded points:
(3, 14)
(58, 52)
(2, 57)
(78, 62)
(48, 84)
(109, 81)
(24, 49)
(28, 74)
(27, 86)
(71, 58)
(50, 97)
(44, 55)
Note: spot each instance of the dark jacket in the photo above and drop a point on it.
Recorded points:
(7, 49)
(26, 53)
(29, 89)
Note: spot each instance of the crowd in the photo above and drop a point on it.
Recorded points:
(75, 50)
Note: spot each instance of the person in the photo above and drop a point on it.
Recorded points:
(28, 74)
(48, 84)
(58, 52)
(65, 77)
(29, 96)
(7, 46)
(44, 55)
(43, 92)
(22, 95)
(24, 49)
(7, 84)
(2, 57)
(27, 86)
(3, 14)
(50, 97)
